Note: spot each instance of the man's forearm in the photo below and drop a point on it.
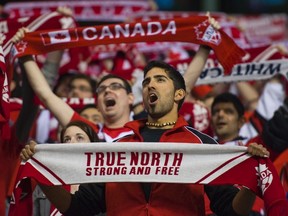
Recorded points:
(243, 201)
(35, 77)
(195, 67)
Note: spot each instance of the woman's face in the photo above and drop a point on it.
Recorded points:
(74, 134)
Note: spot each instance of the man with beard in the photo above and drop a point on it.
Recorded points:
(163, 94)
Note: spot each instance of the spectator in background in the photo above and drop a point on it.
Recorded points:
(91, 113)
(227, 118)
(61, 88)
(81, 86)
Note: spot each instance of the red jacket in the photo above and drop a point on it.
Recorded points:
(165, 199)
(129, 199)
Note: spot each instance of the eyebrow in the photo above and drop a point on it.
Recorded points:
(67, 136)
(80, 85)
(160, 76)
(112, 83)
(155, 76)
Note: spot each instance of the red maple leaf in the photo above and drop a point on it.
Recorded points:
(60, 36)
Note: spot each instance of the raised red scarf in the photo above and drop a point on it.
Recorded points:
(194, 29)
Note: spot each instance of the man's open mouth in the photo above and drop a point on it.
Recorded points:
(153, 98)
(110, 102)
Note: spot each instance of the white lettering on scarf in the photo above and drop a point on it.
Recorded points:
(90, 33)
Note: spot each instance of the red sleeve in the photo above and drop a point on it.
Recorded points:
(77, 117)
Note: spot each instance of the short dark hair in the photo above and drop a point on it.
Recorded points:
(229, 98)
(61, 79)
(173, 74)
(91, 81)
(83, 126)
(87, 106)
(111, 76)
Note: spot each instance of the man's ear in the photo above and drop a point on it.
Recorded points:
(130, 98)
(179, 94)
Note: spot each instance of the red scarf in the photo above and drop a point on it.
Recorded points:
(192, 29)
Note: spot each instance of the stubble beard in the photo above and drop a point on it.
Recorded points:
(156, 112)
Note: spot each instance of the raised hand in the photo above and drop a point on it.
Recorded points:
(215, 24)
(66, 11)
(19, 34)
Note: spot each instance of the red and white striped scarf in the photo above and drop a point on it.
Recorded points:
(63, 164)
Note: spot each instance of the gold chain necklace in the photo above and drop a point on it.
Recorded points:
(152, 124)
